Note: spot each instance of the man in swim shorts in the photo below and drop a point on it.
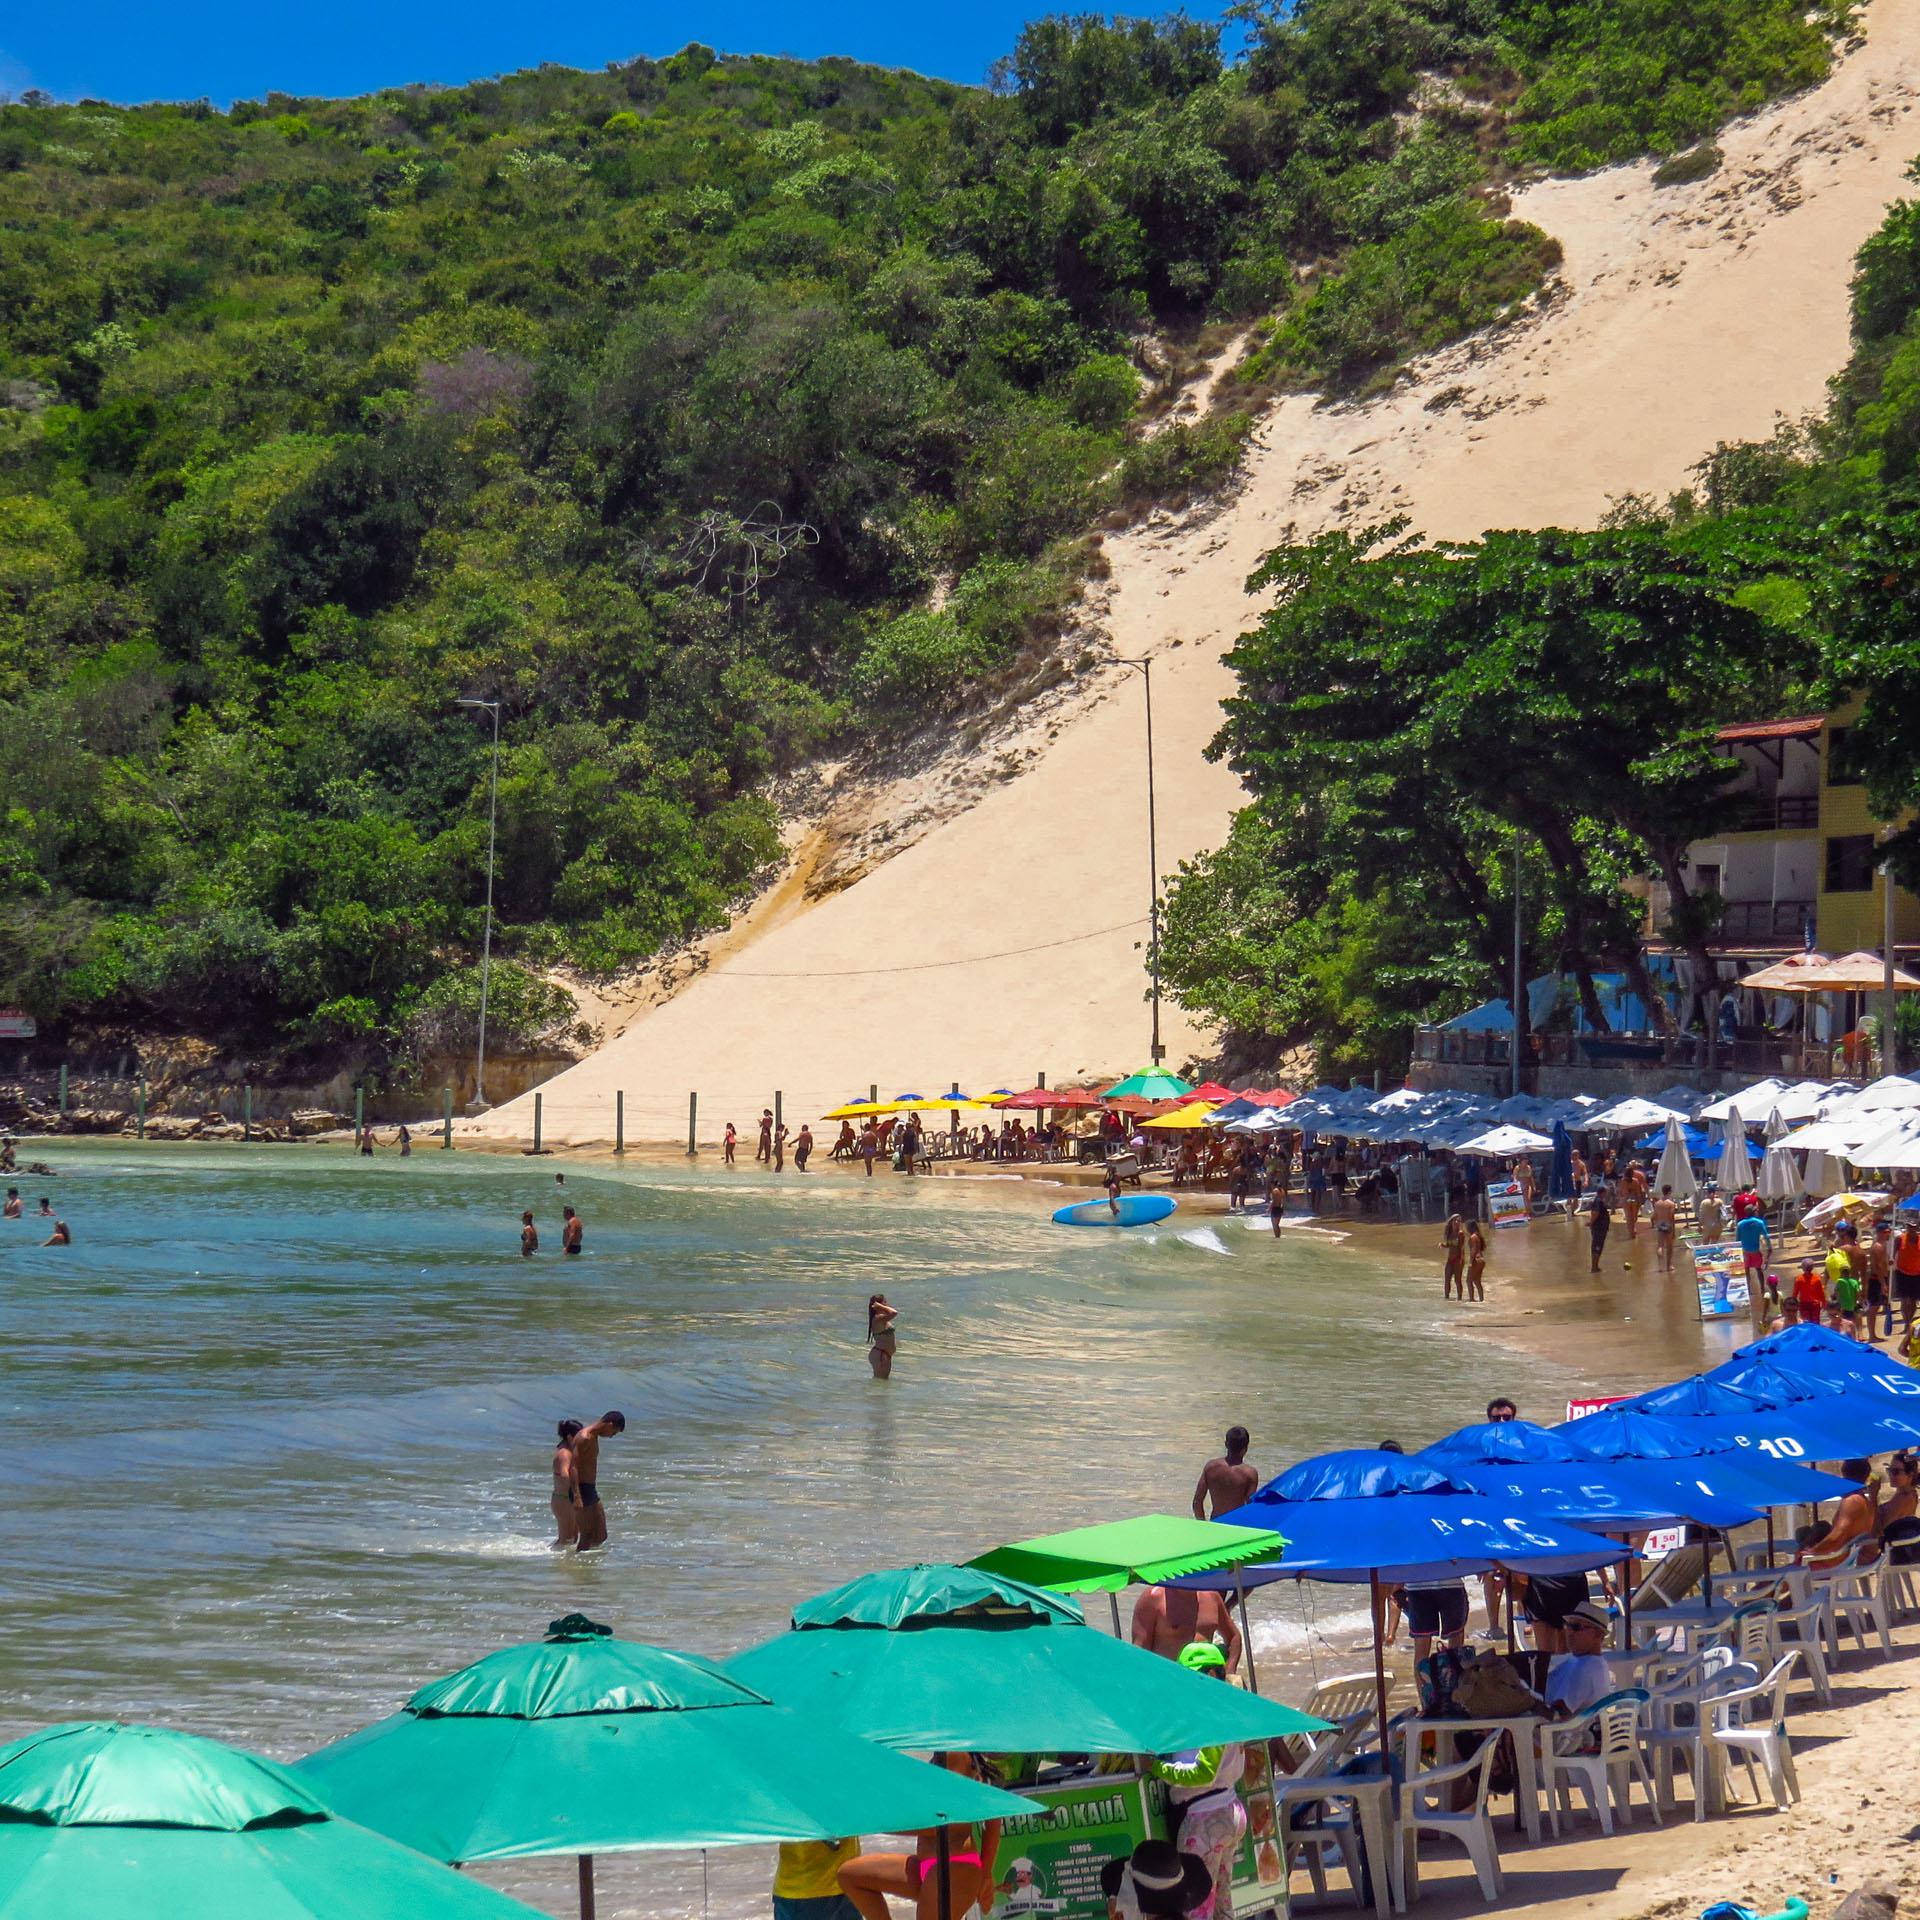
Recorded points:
(586, 1457)
(571, 1231)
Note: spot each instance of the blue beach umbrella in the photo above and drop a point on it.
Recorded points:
(1818, 1353)
(1694, 1139)
(1552, 1473)
(1560, 1171)
(1779, 1429)
(1369, 1518)
(1716, 1466)
(1881, 1425)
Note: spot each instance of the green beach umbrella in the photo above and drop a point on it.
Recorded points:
(1125, 1553)
(948, 1657)
(1153, 1085)
(586, 1744)
(106, 1822)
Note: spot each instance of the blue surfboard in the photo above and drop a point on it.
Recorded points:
(1136, 1210)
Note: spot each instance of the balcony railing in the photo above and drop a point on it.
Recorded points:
(1764, 920)
(1783, 813)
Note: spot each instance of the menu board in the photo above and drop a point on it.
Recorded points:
(1714, 1262)
(1050, 1860)
(1507, 1204)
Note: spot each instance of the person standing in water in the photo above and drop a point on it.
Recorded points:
(529, 1237)
(882, 1342)
(59, 1237)
(869, 1145)
(1665, 1214)
(1476, 1287)
(1228, 1482)
(566, 1487)
(1453, 1244)
(803, 1148)
(765, 1149)
(571, 1231)
(406, 1142)
(12, 1210)
(586, 1458)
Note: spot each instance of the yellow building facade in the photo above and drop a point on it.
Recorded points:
(1807, 850)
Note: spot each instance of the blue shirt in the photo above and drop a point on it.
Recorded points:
(1751, 1232)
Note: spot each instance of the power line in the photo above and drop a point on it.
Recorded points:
(928, 966)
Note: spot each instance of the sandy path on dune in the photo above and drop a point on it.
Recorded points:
(1008, 937)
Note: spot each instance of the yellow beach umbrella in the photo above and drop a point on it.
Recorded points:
(1196, 1115)
(860, 1110)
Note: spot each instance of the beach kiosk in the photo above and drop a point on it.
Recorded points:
(931, 1657)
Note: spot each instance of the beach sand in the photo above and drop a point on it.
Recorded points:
(982, 917)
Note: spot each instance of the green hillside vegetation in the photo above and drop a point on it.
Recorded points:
(1411, 713)
(700, 412)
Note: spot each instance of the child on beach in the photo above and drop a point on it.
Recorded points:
(1810, 1292)
(732, 1141)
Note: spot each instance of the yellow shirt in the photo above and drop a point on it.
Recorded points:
(809, 1869)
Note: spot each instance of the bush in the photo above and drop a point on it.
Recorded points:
(1452, 271)
(919, 658)
(1101, 392)
(1190, 457)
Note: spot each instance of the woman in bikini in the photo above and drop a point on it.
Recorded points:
(566, 1486)
(870, 1877)
(881, 1339)
(1453, 1243)
(1476, 1288)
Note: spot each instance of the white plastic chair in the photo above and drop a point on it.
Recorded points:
(1423, 1809)
(1752, 1632)
(1856, 1599)
(1807, 1629)
(1607, 1774)
(1762, 1738)
(1678, 1718)
(1307, 1826)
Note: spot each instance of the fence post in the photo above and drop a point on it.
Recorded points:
(446, 1119)
(776, 1115)
(246, 1111)
(693, 1115)
(359, 1110)
(140, 1110)
(619, 1121)
(873, 1093)
(536, 1121)
(63, 1089)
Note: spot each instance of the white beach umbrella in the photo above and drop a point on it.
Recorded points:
(1760, 1096)
(1779, 1176)
(1631, 1114)
(1734, 1164)
(1504, 1142)
(1887, 1146)
(1891, 1092)
(1824, 1174)
(1676, 1163)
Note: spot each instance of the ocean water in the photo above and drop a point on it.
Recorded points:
(277, 1427)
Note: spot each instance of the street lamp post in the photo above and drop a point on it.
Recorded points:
(1145, 669)
(486, 935)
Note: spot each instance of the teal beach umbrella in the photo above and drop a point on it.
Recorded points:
(585, 1744)
(1151, 1085)
(939, 1657)
(106, 1822)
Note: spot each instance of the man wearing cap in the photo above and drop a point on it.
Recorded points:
(1206, 1815)
(1580, 1676)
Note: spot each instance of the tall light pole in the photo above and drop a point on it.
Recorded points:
(1145, 669)
(486, 936)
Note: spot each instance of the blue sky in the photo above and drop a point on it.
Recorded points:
(226, 50)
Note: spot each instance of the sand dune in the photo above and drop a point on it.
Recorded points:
(1006, 937)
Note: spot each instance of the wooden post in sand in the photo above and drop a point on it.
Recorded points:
(446, 1119)
(873, 1093)
(536, 1121)
(63, 1089)
(693, 1115)
(776, 1115)
(359, 1108)
(246, 1111)
(140, 1110)
(619, 1122)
